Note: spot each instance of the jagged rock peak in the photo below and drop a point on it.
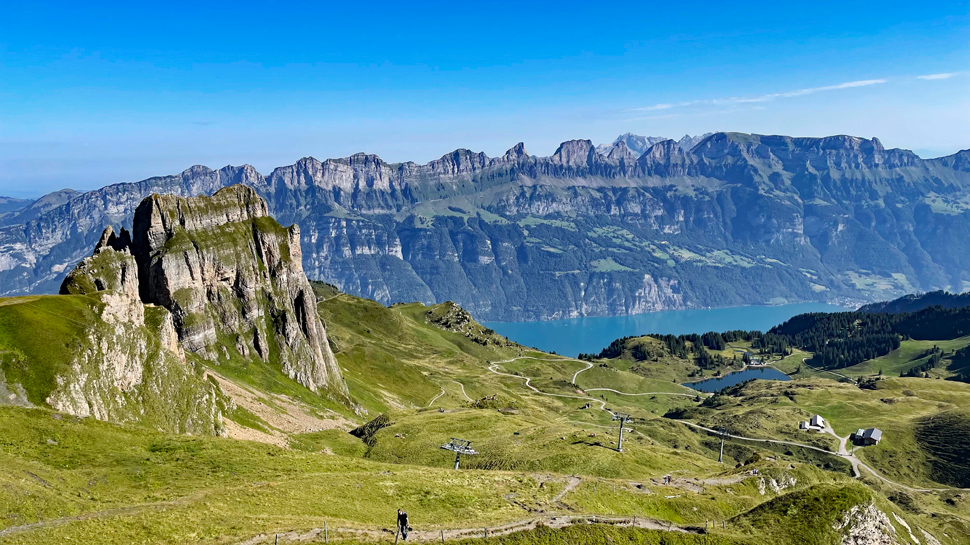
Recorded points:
(365, 160)
(197, 170)
(118, 242)
(110, 267)
(231, 277)
(515, 153)
(638, 144)
(459, 161)
(573, 153)
(662, 150)
(621, 152)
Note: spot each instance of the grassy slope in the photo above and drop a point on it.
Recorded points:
(800, 513)
(393, 359)
(146, 486)
(42, 329)
(945, 440)
(179, 489)
(176, 489)
(904, 358)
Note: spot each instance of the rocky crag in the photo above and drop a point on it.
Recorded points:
(229, 275)
(734, 219)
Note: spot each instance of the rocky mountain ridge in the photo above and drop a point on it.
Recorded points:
(736, 219)
(640, 144)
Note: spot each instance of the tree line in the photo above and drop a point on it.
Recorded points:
(843, 339)
(836, 340)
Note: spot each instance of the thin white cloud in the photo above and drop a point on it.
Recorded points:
(846, 85)
(655, 107)
(767, 97)
(946, 75)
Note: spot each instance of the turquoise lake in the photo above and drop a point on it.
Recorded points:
(590, 335)
(717, 384)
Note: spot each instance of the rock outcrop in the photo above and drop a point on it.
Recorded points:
(866, 525)
(129, 368)
(229, 275)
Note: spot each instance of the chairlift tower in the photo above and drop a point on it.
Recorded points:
(623, 418)
(459, 447)
(720, 457)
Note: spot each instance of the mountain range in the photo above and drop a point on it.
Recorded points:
(589, 231)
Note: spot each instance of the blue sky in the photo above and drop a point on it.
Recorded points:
(97, 94)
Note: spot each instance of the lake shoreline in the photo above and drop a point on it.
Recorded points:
(727, 380)
(573, 336)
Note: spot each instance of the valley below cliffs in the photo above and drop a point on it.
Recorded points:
(727, 219)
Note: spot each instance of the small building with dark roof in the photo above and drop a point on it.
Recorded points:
(866, 437)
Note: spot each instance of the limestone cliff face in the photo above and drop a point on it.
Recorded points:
(127, 369)
(731, 218)
(231, 277)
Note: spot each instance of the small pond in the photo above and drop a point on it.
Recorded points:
(730, 379)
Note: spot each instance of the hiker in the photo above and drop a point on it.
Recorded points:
(402, 523)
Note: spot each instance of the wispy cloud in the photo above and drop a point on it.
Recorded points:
(656, 107)
(813, 90)
(769, 96)
(946, 75)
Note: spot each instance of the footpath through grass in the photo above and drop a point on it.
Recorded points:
(147, 487)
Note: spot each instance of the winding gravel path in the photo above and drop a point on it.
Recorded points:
(820, 370)
(463, 390)
(842, 452)
(639, 394)
(550, 521)
(435, 398)
(589, 365)
(528, 383)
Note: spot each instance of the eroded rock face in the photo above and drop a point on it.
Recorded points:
(129, 366)
(127, 369)
(231, 277)
(111, 267)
